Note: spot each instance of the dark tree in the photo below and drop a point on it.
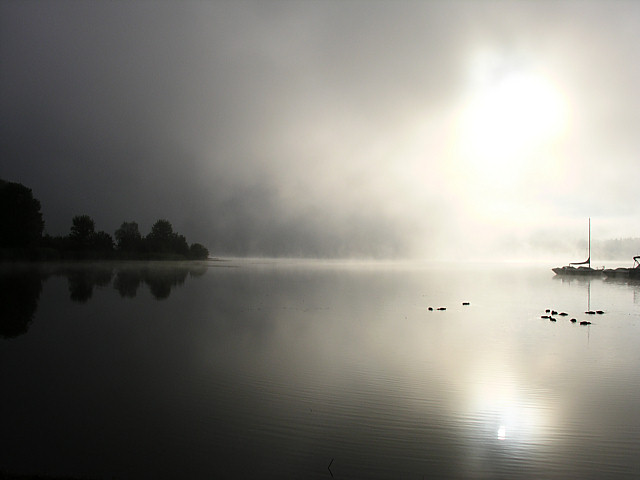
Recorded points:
(179, 245)
(198, 252)
(21, 228)
(103, 242)
(162, 239)
(83, 231)
(128, 238)
(21, 221)
(162, 230)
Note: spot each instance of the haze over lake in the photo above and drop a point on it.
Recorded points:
(264, 369)
(387, 129)
(414, 133)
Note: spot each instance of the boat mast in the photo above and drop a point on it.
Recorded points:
(589, 257)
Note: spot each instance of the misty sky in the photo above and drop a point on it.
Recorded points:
(338, 128)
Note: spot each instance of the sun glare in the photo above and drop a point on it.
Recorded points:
(508, 130)
(503, 410)
(505, 121)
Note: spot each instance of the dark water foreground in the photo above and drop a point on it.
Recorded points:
(280, 369)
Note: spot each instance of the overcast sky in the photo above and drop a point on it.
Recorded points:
(339, 128)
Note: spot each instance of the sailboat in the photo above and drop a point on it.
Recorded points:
(581, 269)
(633, 272)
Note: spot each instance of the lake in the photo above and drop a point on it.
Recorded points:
(303, 369)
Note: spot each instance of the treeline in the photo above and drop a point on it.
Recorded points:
(22, 227)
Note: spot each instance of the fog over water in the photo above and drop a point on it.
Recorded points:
(280, 368)
(346, 128)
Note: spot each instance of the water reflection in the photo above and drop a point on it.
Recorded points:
(19, 293)
(21, 285)
(127, 279)
(260, 372)
(82, 281)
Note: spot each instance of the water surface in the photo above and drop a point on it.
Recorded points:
(279, 369)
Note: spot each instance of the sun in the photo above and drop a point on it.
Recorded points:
(516, 112)
(506, 119)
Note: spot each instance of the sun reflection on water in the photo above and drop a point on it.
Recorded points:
(501, 408)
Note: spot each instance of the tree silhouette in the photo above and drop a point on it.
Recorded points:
(179, 245)
(198, 252)
(128, 238)
(102, 242)
(21, 221)
(82, 232)
(161, 236)
(21, 227)
(162, 239)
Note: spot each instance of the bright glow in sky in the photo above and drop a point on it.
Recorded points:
(372, 129)
(505, 120)
(505, 129)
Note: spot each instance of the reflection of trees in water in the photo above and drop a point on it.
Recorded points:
(82, 282)
(19, 294)
(127, 283)
(20, 288)
(161, 279)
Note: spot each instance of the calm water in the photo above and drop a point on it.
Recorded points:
(279, 369)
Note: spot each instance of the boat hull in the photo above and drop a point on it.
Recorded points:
(579, 271)
(622, 272)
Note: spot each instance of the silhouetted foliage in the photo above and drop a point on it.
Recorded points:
(84, 242)
(163, 240)
(161, 236)
(198, 252)
(103, 242)
(82, 232)
(128, 238)
(55, 243)
(21, 228)
(21, 223)
(179, 245)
